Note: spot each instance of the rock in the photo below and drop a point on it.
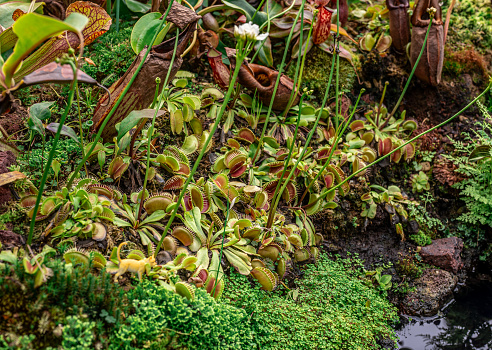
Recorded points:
(10, 240)
(444, 253)
(6, 160)
(413, 226)
(433, 289)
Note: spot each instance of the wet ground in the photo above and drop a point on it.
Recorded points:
(464, 324)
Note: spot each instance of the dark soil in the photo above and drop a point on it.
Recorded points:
(6, 160)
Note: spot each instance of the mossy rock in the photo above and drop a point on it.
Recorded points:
(317, 73)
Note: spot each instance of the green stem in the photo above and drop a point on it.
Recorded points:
(333, 147)
(108, 7)
(298, 66)
(409, 141)
(151, 129)
(222, 245)
(271, 214)
(381, 103)
(275, 200)
(280, 70)
(52, 154)
(239, 62)
(113, 110)
(117, 20)
(424, 45)
(81, 130)
(337, 53)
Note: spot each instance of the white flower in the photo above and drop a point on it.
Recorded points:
(239, 32)
(249, 31)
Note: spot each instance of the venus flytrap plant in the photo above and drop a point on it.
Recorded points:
(275, 200)
(408, 142)
(246, 35)
(333, 147)
(431, 14)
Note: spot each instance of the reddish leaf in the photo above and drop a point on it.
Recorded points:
(385, 146)
(56, 73)
(219, 69)
(396, 156)
(99, 23)
(238, 169)
(329, 180)
(322, 27)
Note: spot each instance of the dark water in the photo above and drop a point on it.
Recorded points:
(465, 324)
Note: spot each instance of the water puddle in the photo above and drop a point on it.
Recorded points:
(465, 324)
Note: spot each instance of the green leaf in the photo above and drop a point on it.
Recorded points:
(181, 82)
(7, 41)
(154, 217)
(133, 119)
(242, 267)
(247, 10)
(66, 131)
(8, 7)
(32, 29)
(8, 256)
(265, 52)
(193, 101)
(144, 31)
(229, 121)
(36, 125)
(136, 6)
(480, 152)
(41, 110)
(56, 166)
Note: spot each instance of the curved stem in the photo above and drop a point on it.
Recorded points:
(276, 200)
(409, 141)
(113, 110)
(271, 214)
(52, 153)
(300, 62)
(414, 68)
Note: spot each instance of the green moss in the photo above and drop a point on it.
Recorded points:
(332, 308)
(32, 163)
(470, 23)
(112, 54)
(317, 73)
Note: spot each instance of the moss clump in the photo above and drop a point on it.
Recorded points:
(470, 24)
(332, 308)
(466, 61)
(317, 73)
(112, 54)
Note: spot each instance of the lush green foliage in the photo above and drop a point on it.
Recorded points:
(32, 162)
(470, 23)
(474, 161)
(69, 292)
(476, 189)
(90, 307)
(332, 308)
(165, 318)
(111, 54)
